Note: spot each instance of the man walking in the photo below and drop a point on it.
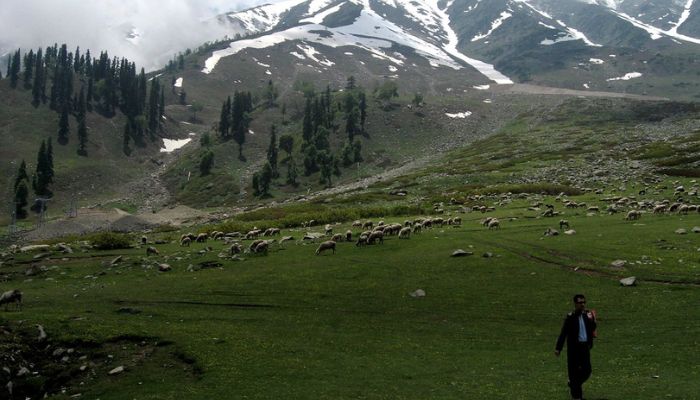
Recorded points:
(578, 332)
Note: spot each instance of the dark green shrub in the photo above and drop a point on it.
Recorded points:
(110, 240)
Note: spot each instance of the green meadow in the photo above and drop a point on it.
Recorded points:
(290, 324)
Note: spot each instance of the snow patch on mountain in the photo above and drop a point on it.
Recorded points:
(494, 25)
(312, 53)
(626, 77)
(318, 5)
(656, 33)
(178, 82)
(263, 18)
(684, 16)
(170, 145)
(318, 18)
(461, 115)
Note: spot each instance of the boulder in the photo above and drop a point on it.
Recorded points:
(461, 253)
(681, 231)
(696, 229)
(35, 247)
(417, 293)
(488, 254)
(630, 281)
(117, 370)
(618, 263)
(115, 261)
(164, 267)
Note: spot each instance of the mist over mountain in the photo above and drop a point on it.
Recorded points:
(146, 32)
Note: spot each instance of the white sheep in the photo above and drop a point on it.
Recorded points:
(152, 250)
(659, 209)
(633, 215)
(376, 235)
(494, 224)
(201, 238)
(185, 241)
(329, 230)
(337, 237)
(564, 223)
(348, 235)
(328, 245)
(11, 296)
(405, 233)
(235, 248)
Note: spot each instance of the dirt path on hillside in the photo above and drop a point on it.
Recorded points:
(545, 90)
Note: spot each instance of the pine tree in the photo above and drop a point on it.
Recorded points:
(153, 116)
(287, 144)
(307, 127)
(14, 69)
(161, 104)
(21, 174)
(362, 105)
(272, 152)
(39, 85)
(310, 157)
(82, 128)
(256, 184)
(49, 160)
(43, 174)
(63, 127)
(206, 163)
(292, 172)
(266, 179)
(21, 193)
(28, 69)
(225, 119)
(326, 161)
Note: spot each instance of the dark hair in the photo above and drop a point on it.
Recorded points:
(579, 296)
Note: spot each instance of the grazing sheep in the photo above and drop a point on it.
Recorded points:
(548, 213)
(659, 209)
(185, 241)
(683, 209)
(362, 240)
(286, 239)
(328, 245)
(633, 215)
(564, 223)
(376, 235)
(262, 247)
(405, 233)
(253, 234)
(218, 235)
(235, 248)
(255, 244)
(201, 238)
(417, 228)
(329, 230)
(152, 250)
(494, 224)
(551, 232)
(144, 240)
(11, 296)
(357, 223)
(407, 223)
(338, 237)
(368, 225)
(457, 221)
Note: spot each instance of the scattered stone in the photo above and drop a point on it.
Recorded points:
(59, 352)
(117, 370)
(618, 263)
(417, 293)
(42, 333)
(164, 267)
(461, 253)
(570, 232)
(487, 255)
(116, 260)
(64, 248)
(681, 231)
(23, 371)
(696, 229)
(35, 247)
(40, 256)
(631, 281)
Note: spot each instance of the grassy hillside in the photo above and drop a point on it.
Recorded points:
(100, 176)
(344, 325)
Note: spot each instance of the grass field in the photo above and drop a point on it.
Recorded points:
(294, 325)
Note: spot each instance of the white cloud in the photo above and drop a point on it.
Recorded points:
(165, 26)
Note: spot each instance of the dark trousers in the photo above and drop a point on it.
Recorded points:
(579, 363)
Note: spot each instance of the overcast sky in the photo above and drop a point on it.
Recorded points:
(165, 26)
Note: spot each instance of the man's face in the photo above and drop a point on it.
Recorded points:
(580, 304)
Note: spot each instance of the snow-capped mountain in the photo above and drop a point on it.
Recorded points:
(575, 43)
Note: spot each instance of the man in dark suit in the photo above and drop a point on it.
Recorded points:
(578, 332)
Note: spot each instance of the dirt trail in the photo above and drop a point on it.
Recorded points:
(545, 90)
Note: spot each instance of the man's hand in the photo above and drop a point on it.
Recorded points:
(557, 352)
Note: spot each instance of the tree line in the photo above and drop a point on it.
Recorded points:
(79, 83)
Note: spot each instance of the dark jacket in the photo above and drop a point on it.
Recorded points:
(569, 331)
